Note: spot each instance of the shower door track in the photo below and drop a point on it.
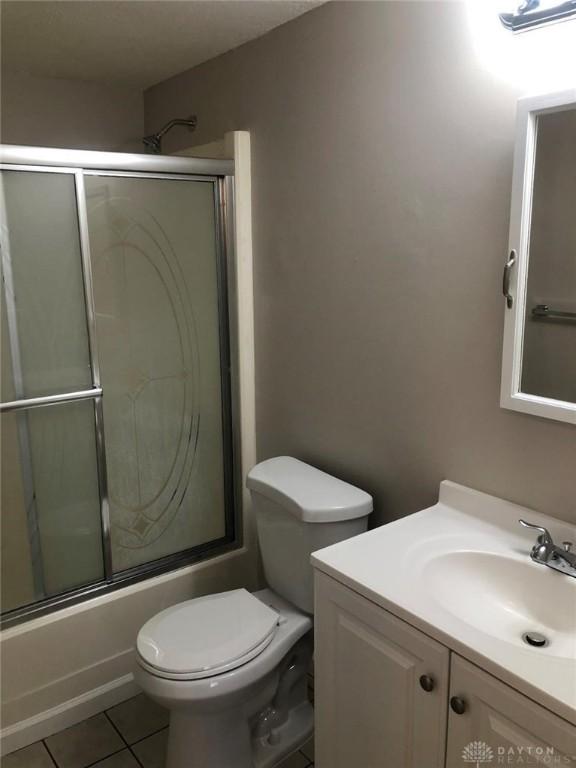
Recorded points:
(220, 173)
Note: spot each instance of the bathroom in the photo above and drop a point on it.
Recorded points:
(365, 160)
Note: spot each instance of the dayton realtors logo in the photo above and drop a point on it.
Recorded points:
(477, 753)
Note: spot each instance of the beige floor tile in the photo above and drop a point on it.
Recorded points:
(138, 717)
(85, 743)
(124, 759)
(34, 756)
(297, 760)
(152, 751)
(308, 749)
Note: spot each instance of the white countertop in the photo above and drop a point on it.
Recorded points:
(424, 569)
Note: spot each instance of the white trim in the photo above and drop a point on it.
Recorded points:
(68, 713)
(238, 143)
(511, 396)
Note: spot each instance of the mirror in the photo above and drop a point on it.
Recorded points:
(539, 364)
(549, 345)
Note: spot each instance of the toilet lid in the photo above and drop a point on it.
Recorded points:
(208, 635)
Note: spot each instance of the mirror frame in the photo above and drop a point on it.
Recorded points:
(511, 396)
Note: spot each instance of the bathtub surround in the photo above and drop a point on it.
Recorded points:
(69, 665)
(382, 169)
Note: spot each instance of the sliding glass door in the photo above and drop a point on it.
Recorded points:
(50, 515)
(155, 272)
(116, 426)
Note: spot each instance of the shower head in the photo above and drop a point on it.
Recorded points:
(153, 142)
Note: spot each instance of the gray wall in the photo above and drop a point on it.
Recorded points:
(74, 114)
(382, 160)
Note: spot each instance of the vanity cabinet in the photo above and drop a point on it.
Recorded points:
(506, 722)
(383, 699)
(372, 710)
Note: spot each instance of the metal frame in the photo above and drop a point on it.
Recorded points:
(73, 159)
(152, 175)
(22, 422)
(95, 367)
(36, 402)
(220, 174)
(227, 221)
(511, 395)
(544, 312)
(522, 21)
(123, 579)
(230, 389)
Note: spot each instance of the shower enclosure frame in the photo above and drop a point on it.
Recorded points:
(220, 173)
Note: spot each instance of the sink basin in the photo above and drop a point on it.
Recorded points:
(505, 597)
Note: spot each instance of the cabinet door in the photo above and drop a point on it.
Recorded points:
(500, 726)
(371, 710)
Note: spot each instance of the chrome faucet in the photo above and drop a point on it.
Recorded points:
(547, 553)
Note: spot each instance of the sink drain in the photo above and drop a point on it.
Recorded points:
(535, 639)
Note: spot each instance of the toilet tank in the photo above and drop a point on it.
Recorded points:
(300, 509)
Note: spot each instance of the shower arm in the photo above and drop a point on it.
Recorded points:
(153, 142)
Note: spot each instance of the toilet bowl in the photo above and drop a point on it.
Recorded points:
(215, 711)
(232, 667)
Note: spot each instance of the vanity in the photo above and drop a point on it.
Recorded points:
(441, 642)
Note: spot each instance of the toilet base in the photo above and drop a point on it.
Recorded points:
(286, 739)
(251, 717)
(280, 720)
(238, 749)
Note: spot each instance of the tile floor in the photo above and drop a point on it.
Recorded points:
(129, 735)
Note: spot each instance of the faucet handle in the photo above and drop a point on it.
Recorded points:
(545, 537)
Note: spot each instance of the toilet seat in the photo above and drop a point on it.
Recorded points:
(206, 636)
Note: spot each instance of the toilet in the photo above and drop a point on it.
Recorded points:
(232, 667)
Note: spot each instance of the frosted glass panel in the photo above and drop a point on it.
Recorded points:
(154, 263)
(51, 531)
(45, 341)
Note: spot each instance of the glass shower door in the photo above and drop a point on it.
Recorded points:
(50, 523)
(115, 400)
(155, 267)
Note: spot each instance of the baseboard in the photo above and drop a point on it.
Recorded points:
(69, 713)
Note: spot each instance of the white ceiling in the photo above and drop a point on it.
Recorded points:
(137, 42)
